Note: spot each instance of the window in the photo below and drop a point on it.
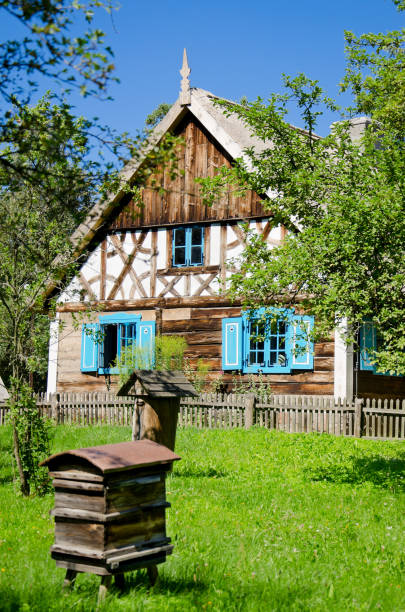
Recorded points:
(269, 342)
(369, 342)
(106, 340)
(188, 246)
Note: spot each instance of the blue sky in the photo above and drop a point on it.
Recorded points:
(235, 49)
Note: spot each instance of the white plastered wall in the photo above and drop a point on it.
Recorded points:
(343, 366)
(53, 355)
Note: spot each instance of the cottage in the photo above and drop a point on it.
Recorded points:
(160, 269)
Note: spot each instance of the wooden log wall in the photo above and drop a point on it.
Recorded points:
(179, 200)
(202, 329)
(375, 385)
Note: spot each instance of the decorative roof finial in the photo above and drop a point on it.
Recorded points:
(185, 92)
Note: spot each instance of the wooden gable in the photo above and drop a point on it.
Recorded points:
(180, 201)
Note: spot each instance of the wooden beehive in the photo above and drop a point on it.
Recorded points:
(157, 405)
(110, 507)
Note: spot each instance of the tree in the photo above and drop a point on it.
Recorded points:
(34, 249)
(342, 199)
(51, 53)
(53, 167)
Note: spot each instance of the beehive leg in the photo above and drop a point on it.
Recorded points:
(119, 581)
(104, 586)
(153, 574)
(69, 581)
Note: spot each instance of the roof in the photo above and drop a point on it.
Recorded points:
(157, 383)
(113, 457)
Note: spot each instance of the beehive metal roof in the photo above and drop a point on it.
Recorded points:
(155, 383)
(115, 457)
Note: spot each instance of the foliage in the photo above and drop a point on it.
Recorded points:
(168, 355)
(200, 377)
(342, 199)
(53, 168)
(31, 439)
(50, 52)
(157, 115)
(251, 526)
(34, 235)
(252, 383)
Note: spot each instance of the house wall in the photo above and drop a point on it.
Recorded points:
(201, 327)
(375, 385)
(129, 269)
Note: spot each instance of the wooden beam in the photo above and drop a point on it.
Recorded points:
(103, 269)
(86, 286)
(163, 302)
(127, 260)
(205, 284)
(153, 267)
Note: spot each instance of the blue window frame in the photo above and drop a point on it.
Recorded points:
(117, 332)
(369, 342)
(266, 346)
(268, 341)
(188, 246)
(105, 341)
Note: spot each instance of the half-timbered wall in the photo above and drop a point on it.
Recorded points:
(137, 264)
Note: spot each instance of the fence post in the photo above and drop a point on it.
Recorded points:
(55, 407)
(358, 417)
(250, 411)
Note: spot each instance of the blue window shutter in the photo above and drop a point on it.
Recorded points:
(232, 342)
(89, 359)
(368, 343)
(146, 341)
(302, 347)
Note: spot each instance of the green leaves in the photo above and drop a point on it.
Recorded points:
(342, 198)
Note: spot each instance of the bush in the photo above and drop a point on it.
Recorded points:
(31, 433)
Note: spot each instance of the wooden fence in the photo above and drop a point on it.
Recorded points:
(375, 419)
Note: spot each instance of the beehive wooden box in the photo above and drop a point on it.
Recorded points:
(157, 404)
(110, 507)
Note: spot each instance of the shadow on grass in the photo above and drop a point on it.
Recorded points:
(388, 473)
(198, 472)
(6, 459)
(165, 584)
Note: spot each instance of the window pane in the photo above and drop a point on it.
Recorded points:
(282, 359)
(196, 235)
(256, 344)
(109, 352)
(180, 237)
(180, 256)
(196, 255)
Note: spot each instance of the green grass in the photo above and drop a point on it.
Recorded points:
(260, 521)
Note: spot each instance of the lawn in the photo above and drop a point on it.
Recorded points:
(260, 521)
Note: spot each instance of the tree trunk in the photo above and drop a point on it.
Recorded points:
(24, 481)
